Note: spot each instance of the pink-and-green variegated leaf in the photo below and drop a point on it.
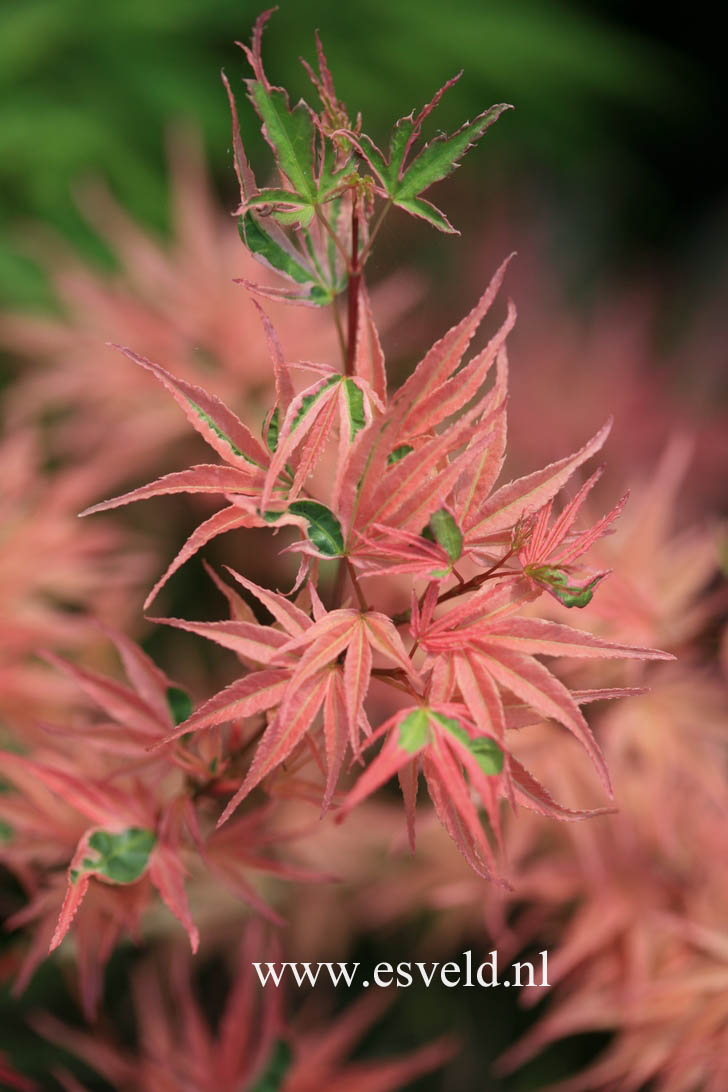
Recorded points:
(406, 133)
(537, 637)
(351, 470)
(291, 134)
(198, 479)
(525, 495)
(403, 182)
(389, 761)
(280, 256)
(218, 425)
(370, 462)
(282, 735)
(429, 496)
(484, 607)
(246, 180)
(530, 681)
(413, 551)
(243, 698)
(441, 156)
(380, 499)
(300, 418)
(487, 786)
(322, 426)
(398, 493)
(582, 542)
(543, 540)
(356, 399)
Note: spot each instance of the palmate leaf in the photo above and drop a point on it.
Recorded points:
(450, 747)
(310, 420)
(282, 736)
(403, 180)
(404, 429)
(407, 493)
(263, 236)
(312, 172)
(306, 161)
(118, 701)
(520, 498)
(483, 641)
(305, 677)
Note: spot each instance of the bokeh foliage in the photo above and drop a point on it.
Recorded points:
(90, 87)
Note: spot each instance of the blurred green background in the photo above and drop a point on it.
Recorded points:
(616, 124)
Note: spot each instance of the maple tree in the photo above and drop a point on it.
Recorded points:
(412, 489)
(411, 642)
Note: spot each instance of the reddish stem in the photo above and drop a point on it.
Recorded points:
(353, 287)
(472, 585)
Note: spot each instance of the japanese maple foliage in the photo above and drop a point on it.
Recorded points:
(384, 482)
(409, 632)
(127, 826)
(253, 1046)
